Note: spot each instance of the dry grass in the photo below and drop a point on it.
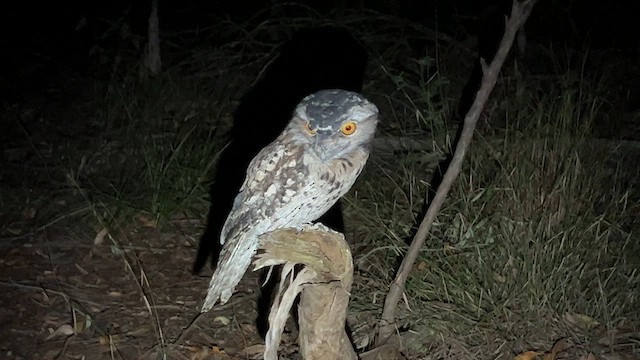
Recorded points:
(541, 227)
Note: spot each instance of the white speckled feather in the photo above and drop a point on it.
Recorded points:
(289, 183)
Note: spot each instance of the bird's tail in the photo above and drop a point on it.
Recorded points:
(232, 265)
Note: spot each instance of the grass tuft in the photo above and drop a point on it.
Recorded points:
(161, 143)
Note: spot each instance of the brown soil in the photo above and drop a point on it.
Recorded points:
(113, 305)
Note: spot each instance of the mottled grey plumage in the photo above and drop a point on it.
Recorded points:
(295, 179)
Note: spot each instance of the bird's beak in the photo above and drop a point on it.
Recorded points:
(320, 148)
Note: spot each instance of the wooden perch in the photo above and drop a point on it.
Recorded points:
(519, 13)
(323, 284)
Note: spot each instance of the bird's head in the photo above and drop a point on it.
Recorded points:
(335, 122)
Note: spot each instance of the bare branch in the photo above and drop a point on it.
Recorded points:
(519, 13)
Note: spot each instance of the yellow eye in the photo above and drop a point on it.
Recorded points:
(309, 129)
(348, 128)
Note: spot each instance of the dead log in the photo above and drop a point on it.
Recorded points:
(324, 284)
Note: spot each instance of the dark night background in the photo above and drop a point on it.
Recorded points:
(63, 33)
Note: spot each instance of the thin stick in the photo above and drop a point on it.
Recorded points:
(519, 13)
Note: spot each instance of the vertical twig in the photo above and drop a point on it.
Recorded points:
(519, 13)
(152, 59)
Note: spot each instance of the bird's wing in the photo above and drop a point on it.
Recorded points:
(263, 189)
(255, 210)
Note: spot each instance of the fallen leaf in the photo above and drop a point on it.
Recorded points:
(82, 322)
(81, 269)
(499, 278)
(64, 330)
(254, 349)
(558, 347)
(222, 319)
(581, 320)
(204, 352)
(147, 221)
(109, 339)
(448, 248)
(100, 236)
(528, 355)
(248, 328)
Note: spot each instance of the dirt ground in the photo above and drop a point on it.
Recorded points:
(54, 284)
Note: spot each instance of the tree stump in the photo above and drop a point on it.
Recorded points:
(324, 284)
